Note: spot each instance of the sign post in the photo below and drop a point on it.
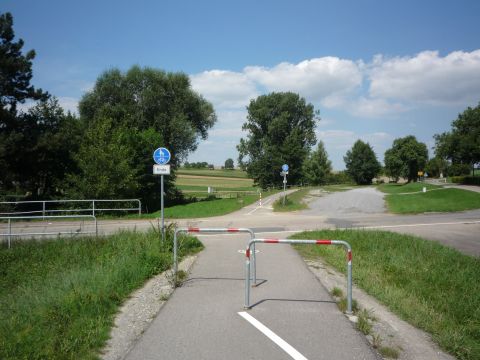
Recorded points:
(161, 156)
(284, 173)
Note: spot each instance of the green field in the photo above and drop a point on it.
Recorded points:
(59, 298)
(216, 173)
(436, 199)
(431, 286)
(196, 182)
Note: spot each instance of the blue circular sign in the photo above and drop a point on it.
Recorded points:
(161, 156)
(285, 167)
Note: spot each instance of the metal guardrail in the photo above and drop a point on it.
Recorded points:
(288, 241)
(44, 211)
(213, 231)
(9, 219)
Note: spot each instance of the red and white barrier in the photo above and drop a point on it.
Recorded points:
(302, 241)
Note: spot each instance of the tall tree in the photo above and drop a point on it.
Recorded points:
(31, 151)
(280, 130)
(142, 109)
(317, 167)
(406, 157)
(229, 164)
(462, 144)
(361, 163)
(15, 71)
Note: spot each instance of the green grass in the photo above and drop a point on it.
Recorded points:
(433, 287)
(59, 298)
(293, 202)
(216, 173)
(406, 188)
(205, 208)
(219, 183)
(445, 200)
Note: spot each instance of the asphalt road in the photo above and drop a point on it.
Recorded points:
(202, 321)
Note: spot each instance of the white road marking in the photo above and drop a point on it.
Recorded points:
(289, 349)
(259, 207)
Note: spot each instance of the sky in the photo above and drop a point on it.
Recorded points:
(376, 70)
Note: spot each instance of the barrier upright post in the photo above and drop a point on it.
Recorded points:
(288, 241)
(212, 231)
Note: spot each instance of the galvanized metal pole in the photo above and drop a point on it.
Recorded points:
(9, 232)
(284, 188)
(300, 241)
(247, 277)
(175, 261)
(43, 210)
(161, 204)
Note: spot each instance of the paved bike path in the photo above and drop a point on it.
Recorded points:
(201, 320)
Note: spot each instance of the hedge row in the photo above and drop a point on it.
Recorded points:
(466, 180)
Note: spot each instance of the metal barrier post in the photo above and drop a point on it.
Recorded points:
(214, 230)
(288, 241)
(43, 210)
(9, 232)
(139, 207)
(93, 207)
(96, 225)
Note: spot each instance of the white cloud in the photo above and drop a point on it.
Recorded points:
(427, 78)
(314, 79)
(225, 89)
(374, 108)
(69, 104)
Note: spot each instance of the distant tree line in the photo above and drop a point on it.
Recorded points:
(198, 165)
(280, 130)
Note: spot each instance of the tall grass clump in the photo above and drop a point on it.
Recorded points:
(59, 297)
(433, 287)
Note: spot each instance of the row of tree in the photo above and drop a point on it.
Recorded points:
(280, 130)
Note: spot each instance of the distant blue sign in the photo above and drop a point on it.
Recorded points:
(285, 167)
(161, 156)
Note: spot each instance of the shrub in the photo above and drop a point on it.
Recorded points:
(458, 169)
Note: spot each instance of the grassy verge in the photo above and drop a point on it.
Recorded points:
(445, 200)
(206, 208)
(215, 173)
(293, 201)
(431, 286)
(406, 188)
(59, 298)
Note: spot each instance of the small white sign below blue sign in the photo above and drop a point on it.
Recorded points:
(285, 167)
(161, 156)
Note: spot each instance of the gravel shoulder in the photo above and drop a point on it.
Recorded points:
(367, 200)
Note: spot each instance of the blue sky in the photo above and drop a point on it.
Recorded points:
(376, 70)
